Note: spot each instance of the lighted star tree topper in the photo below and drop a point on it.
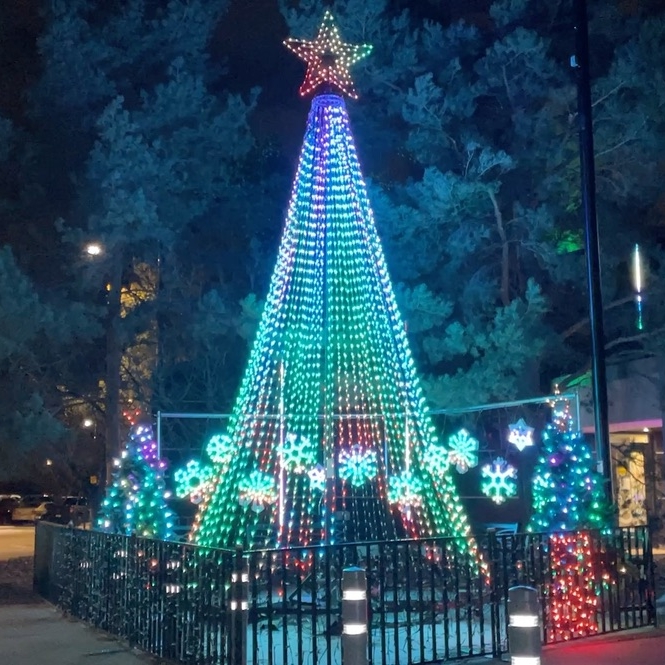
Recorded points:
(330, 406)
(328, 59)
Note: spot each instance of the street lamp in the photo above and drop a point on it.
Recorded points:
(93, 249)
(88, 422)
(592, 245)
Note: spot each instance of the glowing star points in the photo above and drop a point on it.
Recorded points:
(463, 451)
(520, 435)
(499, 480)
(328, 58)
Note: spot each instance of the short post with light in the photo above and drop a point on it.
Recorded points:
(524, 630)
(354, 616)
(239, 606)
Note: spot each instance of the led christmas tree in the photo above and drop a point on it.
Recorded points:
(568, 501)
(135, 502)
(567, 491)
(333, 441)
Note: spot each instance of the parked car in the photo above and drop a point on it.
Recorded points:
(7, 505)
(31, 508)
(67, 509)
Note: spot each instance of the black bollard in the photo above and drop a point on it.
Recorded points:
(354, 616)
(524, 635)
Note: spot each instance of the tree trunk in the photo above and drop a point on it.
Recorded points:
(505, 250)
(113, 360)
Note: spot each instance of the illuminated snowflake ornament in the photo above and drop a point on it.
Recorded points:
(296, 453)
(257, 489)
(357, 465)
(436, 460)
(463, 451)
(193, 481)
(405, 490)
(317, 478)
(520, 435)
(499, 480)
(220, 449)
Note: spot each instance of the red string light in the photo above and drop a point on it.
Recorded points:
(572, 599)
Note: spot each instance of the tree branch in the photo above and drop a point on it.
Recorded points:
(585, 322)
(505, 249)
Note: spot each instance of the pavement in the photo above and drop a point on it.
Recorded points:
(639, 647)
(31, 634)
(38, 632)
(16, 541)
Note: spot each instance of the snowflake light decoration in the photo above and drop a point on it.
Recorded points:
(405, 490)
(436, 459)
(193, 480)
(257, 489)
(520, 434)
(220, 449)
(357, 465)
(317, 478)
(296, 453)
(463, 451)
(499, 480)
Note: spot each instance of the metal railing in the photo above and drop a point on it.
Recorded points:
(167, 599)
(426, 601)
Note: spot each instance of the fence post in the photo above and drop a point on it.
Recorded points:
(495, 596)
(354, 616)
(41, 574)
(239, 610)
(524, 638)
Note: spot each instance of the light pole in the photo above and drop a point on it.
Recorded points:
(588, 180)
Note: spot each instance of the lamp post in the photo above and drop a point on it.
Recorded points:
(580, 63)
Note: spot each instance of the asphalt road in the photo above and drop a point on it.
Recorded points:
(16, 541)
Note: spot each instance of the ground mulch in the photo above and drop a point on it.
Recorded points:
(16, 582)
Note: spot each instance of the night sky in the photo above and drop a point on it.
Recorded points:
(250, 36)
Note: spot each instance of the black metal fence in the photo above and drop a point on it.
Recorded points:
(426, 603)
(167, 599)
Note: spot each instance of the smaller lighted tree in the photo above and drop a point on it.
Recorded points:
(135, 501)
(568, 502)
(567, 491)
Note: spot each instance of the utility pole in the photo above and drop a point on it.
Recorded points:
(588, 180)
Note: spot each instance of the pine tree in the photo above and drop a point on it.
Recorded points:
(567, 490)
(135, 503)
(330, 384)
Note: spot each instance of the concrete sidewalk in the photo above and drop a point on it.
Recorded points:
(640, 647)
(32, 634)
(643, 646)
